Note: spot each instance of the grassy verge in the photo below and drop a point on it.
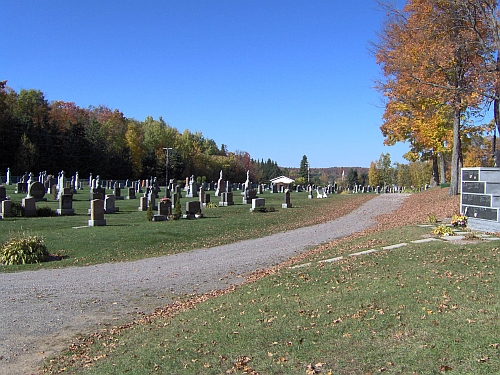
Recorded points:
(129, 236)
(425, 308)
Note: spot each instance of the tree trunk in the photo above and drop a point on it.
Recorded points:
(442, 168)
(435, 171)
(496, 104)
(455, 156)
(495, 153)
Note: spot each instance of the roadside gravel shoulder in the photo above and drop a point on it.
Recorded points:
(41, 311)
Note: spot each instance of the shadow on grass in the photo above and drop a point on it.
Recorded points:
(56, 257)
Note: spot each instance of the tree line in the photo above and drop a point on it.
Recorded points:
(38, 135)
(441, 66)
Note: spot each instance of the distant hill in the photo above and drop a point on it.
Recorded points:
(327, 174)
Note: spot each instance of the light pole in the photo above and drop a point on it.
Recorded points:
(167, 192)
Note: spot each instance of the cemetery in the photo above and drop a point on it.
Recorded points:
(87, 221)
(90, 225)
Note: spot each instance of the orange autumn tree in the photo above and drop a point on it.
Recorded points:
(424, 124)
(429, 56)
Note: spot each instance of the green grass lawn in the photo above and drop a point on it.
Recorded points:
(129, 236)
(426, 308)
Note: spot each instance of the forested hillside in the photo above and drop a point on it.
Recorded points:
(38, 135)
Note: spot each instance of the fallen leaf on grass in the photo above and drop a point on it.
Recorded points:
(444, 368)
(314, 369)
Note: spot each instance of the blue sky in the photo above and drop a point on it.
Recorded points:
(276, 78)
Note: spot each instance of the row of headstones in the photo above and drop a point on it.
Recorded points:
(193, 208)
(97, 210)
(191, 186)
(28, 205)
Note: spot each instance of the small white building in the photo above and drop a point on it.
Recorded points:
(282, 181)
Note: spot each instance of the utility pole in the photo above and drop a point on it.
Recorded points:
(308, 173)
(167, 190)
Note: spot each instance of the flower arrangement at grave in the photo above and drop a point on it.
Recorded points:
(165, 200)
(459, 221)
(443, 230)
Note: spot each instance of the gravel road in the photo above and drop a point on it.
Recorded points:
(41, 311)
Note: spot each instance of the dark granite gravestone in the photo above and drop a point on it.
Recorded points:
(37, 191)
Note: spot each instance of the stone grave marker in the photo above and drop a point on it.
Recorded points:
(310, 192)
(204, 197)
(97, 193)
(193, 188)
(164, 210)
(319, 192)
(6, 208)
(249, 195)
(286, 203)
(21, 188)
(226, 199)
(37, 191)
(29, 206)
(152, 200)
(131, 193)
(143, 203)
(109, 204)
(118, 193)
(65, 205)
(193, 209)
(257, 202)
(3, 193)
(53, 191)
(97, 213)
(221, 188)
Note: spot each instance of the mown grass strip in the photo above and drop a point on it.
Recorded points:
(426, 308)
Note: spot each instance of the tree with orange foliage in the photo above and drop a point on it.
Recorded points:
(429, 54)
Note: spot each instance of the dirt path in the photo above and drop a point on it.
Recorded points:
(41, 311)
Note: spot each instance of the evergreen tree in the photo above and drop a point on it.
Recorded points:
(304, 168)
(352, 177)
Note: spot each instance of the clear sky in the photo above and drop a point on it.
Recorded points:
(276, 78)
